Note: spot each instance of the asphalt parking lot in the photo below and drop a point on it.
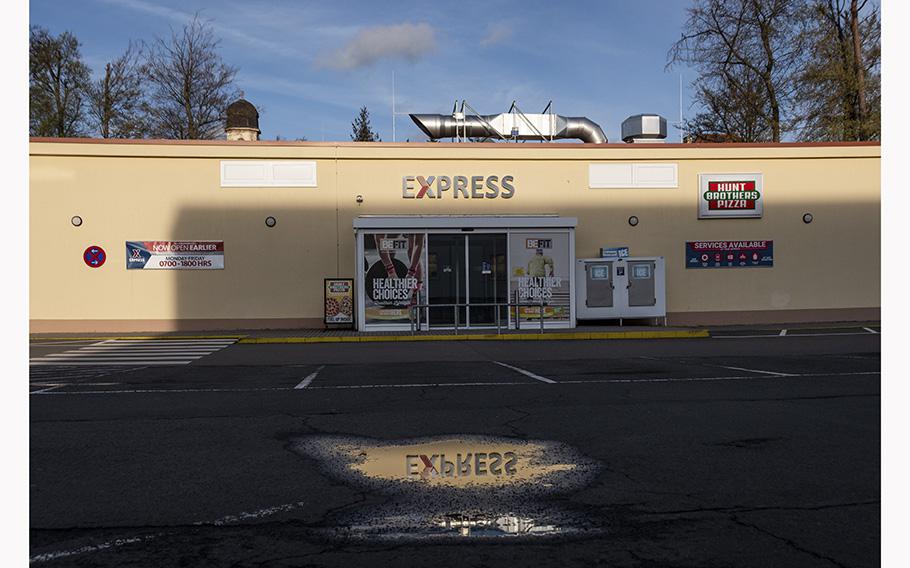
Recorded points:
(733, 451)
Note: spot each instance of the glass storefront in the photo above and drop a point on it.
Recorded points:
(443, 278)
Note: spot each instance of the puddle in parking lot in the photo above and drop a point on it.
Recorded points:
(457, 486)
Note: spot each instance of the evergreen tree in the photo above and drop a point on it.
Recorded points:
(361, 128)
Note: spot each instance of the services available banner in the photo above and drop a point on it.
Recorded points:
(730, 195)
(729, 254)
(174, 255)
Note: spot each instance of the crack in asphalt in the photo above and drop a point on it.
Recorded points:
(510, 423)
(361, 498)
(609, 469)
(752, 509)
(269, 561)
(789, 542)
(226, 522)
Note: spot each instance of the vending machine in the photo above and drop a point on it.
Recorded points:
(621, 288)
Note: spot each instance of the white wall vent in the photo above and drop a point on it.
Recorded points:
(635, 175)
(277, 173)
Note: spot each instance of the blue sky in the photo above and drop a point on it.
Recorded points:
(309, 66)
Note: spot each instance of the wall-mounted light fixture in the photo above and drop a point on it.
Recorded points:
(76, 220)
(270, 221)
(807, 218)
(633, 220)
(359, 199)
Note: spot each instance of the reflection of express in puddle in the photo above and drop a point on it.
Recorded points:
(455, 462)
(498, 486)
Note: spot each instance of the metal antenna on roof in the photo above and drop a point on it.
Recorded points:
(393, 105)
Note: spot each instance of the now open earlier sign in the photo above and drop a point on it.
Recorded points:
(729, 195)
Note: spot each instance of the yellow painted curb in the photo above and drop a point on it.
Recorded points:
(699, 333)
(557, 336)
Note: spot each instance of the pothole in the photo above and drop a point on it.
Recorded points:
(457, 486)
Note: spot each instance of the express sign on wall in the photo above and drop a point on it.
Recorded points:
(729, 195)
(466, 187)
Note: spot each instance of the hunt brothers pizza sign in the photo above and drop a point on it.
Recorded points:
(729, 195)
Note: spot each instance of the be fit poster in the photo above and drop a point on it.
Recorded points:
(539, 268)
(394, 281)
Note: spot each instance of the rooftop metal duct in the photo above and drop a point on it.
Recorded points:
(510, 126)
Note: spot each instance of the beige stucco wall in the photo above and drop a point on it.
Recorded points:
(273, 276)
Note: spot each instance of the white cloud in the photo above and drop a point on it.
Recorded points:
(186, 17)
(496, 33)
(408, 41)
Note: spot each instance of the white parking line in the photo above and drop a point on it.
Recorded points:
(245, 515)
(787, 336)
(90, 548)
(49, 389)
(423, 385)
(116, 351)
(708, 379)
(309, 378)
(170, 341)
(144, 348)
(775, 373)
(83, 363)
(53, 343)
(783, 332)
(80, 384)
(870, 330)
(485, 384)
(225, 520)
(122, 354)
(526, 373)
(155, 391)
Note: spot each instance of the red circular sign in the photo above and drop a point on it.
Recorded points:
(94, 256)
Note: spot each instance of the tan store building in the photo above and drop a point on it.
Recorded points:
(153, 235)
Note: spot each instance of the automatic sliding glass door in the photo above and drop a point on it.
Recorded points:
(487, 279)
(446, 280)
(466, 269)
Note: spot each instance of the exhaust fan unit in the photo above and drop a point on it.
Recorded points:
(644, 128)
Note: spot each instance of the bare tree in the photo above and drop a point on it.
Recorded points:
(362, 131)
(839, 91)
(191, 85)
(58, 80)
(115, 102)
(732, 110)
(749, 49)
